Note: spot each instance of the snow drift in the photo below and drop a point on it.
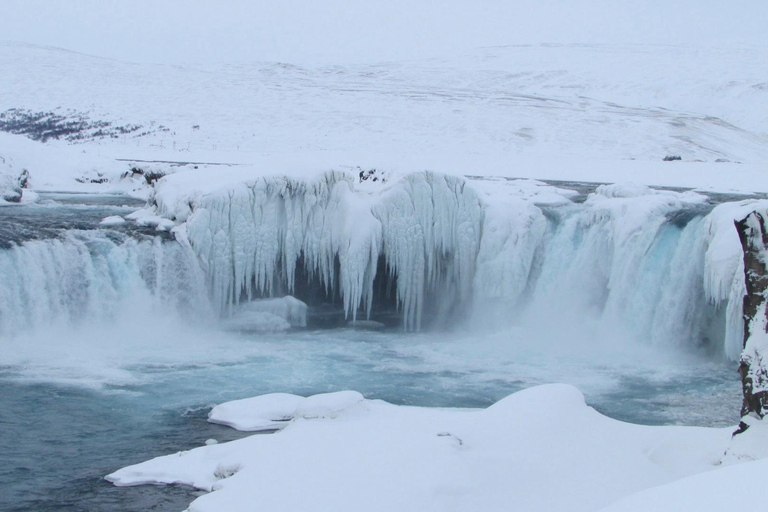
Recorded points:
(539, 449)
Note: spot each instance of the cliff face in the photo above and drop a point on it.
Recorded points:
(753, 367)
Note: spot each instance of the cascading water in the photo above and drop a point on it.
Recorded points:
(91, 276)
(637, 276)
(626, 262)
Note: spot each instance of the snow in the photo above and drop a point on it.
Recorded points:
(265, 412)
(274, 411)
(112, 220)
(713, 491)
(539, 449)
(59, 168)
(145, 217)
(602, 113)
(751, 444)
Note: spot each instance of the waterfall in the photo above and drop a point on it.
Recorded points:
(657, 266)
(86, 276)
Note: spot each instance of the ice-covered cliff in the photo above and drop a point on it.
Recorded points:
(662, 266)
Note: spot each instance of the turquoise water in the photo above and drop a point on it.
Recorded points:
(60, 440)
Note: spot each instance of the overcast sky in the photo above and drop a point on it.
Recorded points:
(307, 32)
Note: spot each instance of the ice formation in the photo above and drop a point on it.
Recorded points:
(276, 314)
(624, 261)
(251, 237)
(659, 265)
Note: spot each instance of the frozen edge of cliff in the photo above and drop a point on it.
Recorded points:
(480, 235)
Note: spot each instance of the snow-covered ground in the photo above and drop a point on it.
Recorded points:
(538, 449)
(601, 113)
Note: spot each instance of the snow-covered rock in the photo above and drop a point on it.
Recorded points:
(268, 315)
(147, 217)
(289, 308)
(274, 411)
(112, 220)
(11, 181)
(10, 191)
(264, 412)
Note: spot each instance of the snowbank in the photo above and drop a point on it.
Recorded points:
(752, 444)
(274, 411)
(713, 491)
(59, 167)
(10, 185)
(539, 449)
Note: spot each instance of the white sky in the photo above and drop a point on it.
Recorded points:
(330, 31)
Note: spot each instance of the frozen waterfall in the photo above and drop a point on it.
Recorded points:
(424, 250)
(660, 266)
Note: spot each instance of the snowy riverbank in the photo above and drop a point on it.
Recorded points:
(538, 449)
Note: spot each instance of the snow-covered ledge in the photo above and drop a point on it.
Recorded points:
(538, 449)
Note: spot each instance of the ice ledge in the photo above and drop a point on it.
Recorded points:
(276, 410)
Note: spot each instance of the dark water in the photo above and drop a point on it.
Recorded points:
(58, 443)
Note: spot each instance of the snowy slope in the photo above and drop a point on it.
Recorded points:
(522, 110)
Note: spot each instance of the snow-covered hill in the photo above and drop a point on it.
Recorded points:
(520, 110)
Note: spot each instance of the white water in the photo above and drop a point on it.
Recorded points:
(91, 277)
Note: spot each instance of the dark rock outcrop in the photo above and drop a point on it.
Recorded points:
(753, 367)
